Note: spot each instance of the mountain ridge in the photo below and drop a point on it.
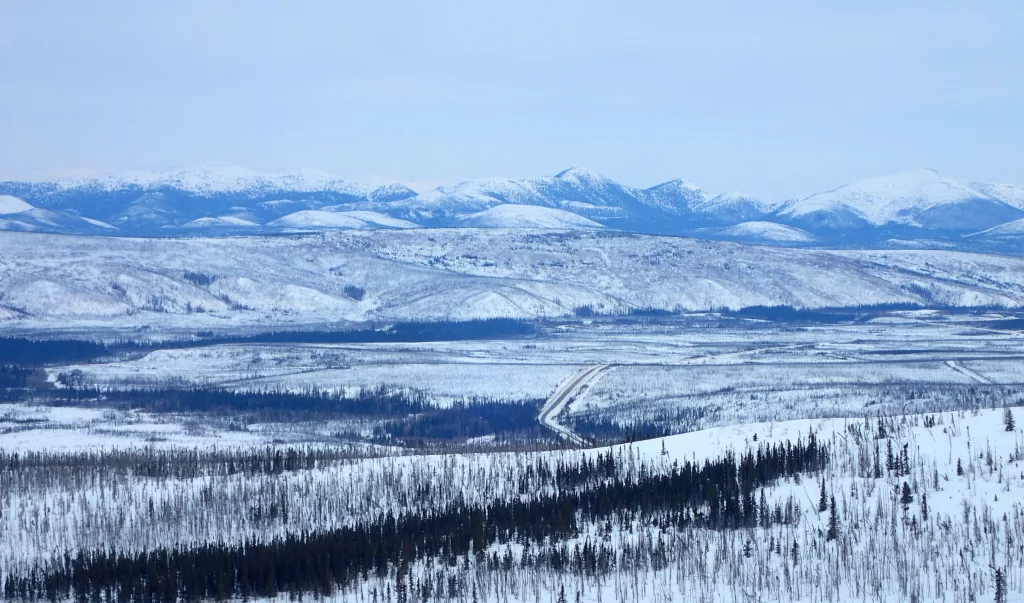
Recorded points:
(916, 205)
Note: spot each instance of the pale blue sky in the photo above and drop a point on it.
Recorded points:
(776, 99)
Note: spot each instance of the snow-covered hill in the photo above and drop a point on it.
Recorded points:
(221, 222)
(16, 214)
(12, 205)
(330, 220)
(767, 232)
(107, 282)
(526, 216)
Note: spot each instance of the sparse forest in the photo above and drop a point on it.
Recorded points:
(852, 508)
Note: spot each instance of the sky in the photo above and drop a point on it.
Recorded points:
(774, 99)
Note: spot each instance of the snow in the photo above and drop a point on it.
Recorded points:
(527, 216)
(379, 219)
(220, 177)
(12, 205)
(1010, 194)
(98, 223)
(1009, 229)
(889, 199)
(732, 203)
(220, 221)
(873, 530)
(582, 176)
(313, 218)
(916, 199)
(419, 274)
(391, 191)
(767, 231)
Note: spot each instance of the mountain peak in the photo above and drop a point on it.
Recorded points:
(677, 184)
(391, 192)
(580, 174)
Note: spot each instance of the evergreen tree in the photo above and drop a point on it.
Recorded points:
(833, 522)
(924, 507)
(906, 497)
(1008, 420)
(959, 468)
(561, 595)
(1000, 586)
(822, 498)
(890, 462)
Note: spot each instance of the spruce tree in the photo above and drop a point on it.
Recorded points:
(924, 507)
(959, 468)
(1000, 587)
(1008, 420)
(833, 522)
(822, 498)
(906, 497)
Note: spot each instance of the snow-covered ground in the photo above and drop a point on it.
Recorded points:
(735, 372)
(966, 464)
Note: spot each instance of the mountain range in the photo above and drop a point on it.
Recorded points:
(915, 208)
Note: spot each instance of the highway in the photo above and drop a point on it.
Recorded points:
(562, 396)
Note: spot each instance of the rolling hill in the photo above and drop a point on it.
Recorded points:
(415, 274)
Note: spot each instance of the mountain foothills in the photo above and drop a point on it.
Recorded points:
(458, 274)
(915, 208)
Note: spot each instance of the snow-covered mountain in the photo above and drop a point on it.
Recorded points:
(918, 200)
(919, 207)
(147, 203)
(217, 196)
